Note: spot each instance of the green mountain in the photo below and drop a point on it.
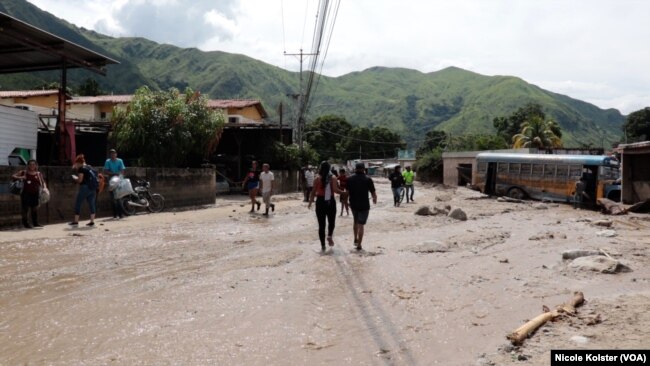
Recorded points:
(408, 101)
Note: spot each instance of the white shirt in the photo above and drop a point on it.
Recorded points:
(309, 177)
(267, 181)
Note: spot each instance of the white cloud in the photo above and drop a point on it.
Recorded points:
(598, 45)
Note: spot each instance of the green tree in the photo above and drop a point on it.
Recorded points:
(637, 125)
(89, 87)
(325, 136)
(539, 133)
(432, 140)
(511, 125)
(167, 128)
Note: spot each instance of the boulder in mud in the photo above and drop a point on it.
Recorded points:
(597, 263)
(424, 211)
(429, 246)
(458, 214)
(540, 206)
(577, 253)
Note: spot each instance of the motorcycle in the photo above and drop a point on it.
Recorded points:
(142, 198)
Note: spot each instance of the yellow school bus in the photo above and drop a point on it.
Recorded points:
(547, 177)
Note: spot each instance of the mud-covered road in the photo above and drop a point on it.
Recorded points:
(222, 286)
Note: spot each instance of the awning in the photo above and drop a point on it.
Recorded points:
(26, 48)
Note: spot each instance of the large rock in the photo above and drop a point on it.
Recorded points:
(423, 211)
(596, 263)
(458, 214)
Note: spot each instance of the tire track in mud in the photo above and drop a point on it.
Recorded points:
(376, 320)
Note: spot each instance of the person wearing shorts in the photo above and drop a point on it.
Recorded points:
(359, 186)
(266, 182)
(252, 183)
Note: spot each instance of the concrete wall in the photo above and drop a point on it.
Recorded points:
(180, 187)
(450, 171)
(635, 173)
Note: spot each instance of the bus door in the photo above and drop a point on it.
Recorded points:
(491, 178)
(589, 175)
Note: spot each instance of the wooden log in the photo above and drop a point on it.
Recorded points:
(523, 332)
(612, 207)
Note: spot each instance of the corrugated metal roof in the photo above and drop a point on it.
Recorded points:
(27, 48)
(27, 93)
(117, 99)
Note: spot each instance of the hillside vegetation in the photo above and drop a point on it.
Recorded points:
(407, 101)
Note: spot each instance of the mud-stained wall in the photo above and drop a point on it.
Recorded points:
(180, 187)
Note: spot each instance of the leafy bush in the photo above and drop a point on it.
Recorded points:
(167, 129)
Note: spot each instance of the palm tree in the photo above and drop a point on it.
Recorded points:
(539, 133)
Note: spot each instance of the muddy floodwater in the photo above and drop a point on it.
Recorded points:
(220, 286)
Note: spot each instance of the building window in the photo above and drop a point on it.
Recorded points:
(102, 115)
(233, 119)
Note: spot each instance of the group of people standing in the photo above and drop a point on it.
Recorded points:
(84, 176)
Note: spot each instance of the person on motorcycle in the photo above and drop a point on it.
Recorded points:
(114, 166)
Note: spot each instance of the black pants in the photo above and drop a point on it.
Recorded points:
(325, 209)
(29, 202)
(115, 204)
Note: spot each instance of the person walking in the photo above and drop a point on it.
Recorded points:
(409, 177)
(325, 185)
(252, 183)
(86, 177)
(309, 183)
(114, 167)
(359, 185)
(266, 185)
(343, 183)
(33, 183)
(396, 184)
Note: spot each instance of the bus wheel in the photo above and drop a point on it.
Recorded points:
(516, 193)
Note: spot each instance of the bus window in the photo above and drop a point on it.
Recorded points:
(609, 173)
(538, 169)
(562, 171)
(482, 167)
(575, 171)
(514, 168)
(525, 169)
(549, 170)
(502, 168)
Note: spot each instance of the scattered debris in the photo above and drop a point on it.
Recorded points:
(480, 196)
(523, 332)
(508, 199)
(606, 233)
(542, 236)
(640, 207)
(505, 260)
(429, 246)
(577, 253)
(458, 214)
(581, 340)
(605, 223)
(540, 206)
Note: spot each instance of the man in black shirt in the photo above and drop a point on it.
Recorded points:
(359, 185)
(396, 184)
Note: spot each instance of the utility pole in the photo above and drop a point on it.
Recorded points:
(300, 119)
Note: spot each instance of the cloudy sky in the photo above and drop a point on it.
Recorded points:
(594, 50)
